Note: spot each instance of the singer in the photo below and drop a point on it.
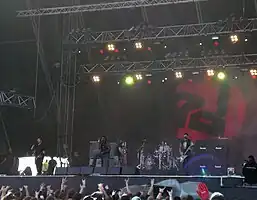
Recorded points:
(39, 153)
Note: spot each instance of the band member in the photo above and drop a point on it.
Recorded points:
(39, 153)
(250, 171)
(185, 149)
(122, 153)
(103, 152)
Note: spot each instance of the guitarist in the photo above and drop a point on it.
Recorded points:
(185, 149)
(39, 153)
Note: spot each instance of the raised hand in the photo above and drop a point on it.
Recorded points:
(42, 186)
(127, 181)
(170, 192)
(161, 190)
(152, 182)
(202, 191)
(100, 187)
(64, 180)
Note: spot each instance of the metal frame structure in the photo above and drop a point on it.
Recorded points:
(16, 100)
(99, 7)
(176, 31)
(233, 61)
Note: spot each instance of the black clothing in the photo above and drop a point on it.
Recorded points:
(104, 148)
(104, 151)
(187, 143)
(51, 166)
(39, 154)
(250, 172)
(38, 150)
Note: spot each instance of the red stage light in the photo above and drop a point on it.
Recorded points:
(116, 50)
(149, 49)
(216, 43)
(254, 77)
(102, 51)
(149, 82)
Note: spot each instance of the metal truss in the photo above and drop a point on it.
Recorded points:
(99, 7)
(16, 100)
(233, 61)
(176, 31)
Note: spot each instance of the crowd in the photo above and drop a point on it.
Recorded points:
(104, 192)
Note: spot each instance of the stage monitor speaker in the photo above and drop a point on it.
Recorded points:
(128, 170)
(74, 170)
(86, 170)
(100, 170)
(114, 171)
(61, 171)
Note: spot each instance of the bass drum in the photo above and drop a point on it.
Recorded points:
(149, 162)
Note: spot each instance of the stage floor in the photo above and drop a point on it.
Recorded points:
(229, 186)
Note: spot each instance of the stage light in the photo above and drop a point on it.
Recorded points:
(178, 74)
(210, 72)
(221, 75)
(138, 45)
(234, 39)
(139, 77)
(129, 80)
(246, 40)
(96, 79)
(111, 47)
(201, 44)
(165, 47)
(253, 72)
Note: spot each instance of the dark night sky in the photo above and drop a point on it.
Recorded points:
(18, 61)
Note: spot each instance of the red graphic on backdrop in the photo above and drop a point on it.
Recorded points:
(198, 106)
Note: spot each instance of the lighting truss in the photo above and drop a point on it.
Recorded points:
(99, 7)
(233, 61)
(176, 31)
(16, 100)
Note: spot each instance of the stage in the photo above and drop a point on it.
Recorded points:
(229, 186)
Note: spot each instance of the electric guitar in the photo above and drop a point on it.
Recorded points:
(184, 155)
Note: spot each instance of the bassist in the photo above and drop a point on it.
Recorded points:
(185, 149)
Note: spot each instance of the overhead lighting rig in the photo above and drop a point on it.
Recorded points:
(233, 61)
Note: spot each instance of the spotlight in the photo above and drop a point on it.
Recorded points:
(234, 39)
(210, 72)
(178, 74)
(253, 72)
(139, 77)
(129, 80)
(138, 45)
(111, 47)
(96, 79)
(221, 75)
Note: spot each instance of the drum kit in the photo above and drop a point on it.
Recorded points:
(162, 158)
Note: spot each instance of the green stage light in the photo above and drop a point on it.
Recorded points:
(129, 80)
(221, 75)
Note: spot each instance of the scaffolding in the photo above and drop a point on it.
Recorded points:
(16, 100)
(99, 7)
(233, 61)
(152, 33)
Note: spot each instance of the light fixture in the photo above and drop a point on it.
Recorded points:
(221, 75)
(111, 47)
(253, 72)
(96, 79)
(234, 39)
(129, 80)
(178, 74)
(138, 45)
(210, 72)
(139, 76)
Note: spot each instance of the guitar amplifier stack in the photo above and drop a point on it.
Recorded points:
(212, 154)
